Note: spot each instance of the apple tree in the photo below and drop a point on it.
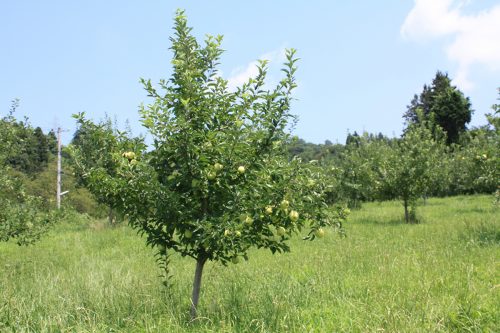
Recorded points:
(101, 146)
(358, 168)
(414, 166)
(476, 163)
(217, 180)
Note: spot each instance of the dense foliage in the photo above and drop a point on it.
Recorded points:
(442, 104)
(22, 217)
(29, 149)
(101, 146)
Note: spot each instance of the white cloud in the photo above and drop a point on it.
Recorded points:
(241, 75)
(475, 37)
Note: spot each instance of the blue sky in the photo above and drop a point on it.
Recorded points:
(361, 61)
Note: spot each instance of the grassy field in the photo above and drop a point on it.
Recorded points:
(439, 276)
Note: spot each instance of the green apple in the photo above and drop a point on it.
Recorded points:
(173, 175)
(211, 175)
(188, 234)
(238, 233)
(241, 169)
(249, 220)
(280, 231)
(130, 155)
(320, 233)
(294, 215)
(269, 210)
(227, 233)
(284, 204)
(245, 218)
(218, 167)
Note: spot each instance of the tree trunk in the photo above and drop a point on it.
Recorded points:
(407, 215)
(200, 262)
(111, 217)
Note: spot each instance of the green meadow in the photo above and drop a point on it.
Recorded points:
(442, 275)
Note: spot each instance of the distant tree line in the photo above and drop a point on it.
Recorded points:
(30, 149)
(458, 160)
(437, 155)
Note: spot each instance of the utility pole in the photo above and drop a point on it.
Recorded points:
(59, 168)
(59, 194)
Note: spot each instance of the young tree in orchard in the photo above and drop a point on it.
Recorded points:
(21, 216)
(410, 169)
(444, 105)
(359, 166)
(476, 165)
(217, 180)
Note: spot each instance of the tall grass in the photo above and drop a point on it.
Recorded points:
(439, 276)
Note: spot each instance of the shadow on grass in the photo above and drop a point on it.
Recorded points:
(431, 203)
(383, 221)
(470, 210)
(483, 233)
